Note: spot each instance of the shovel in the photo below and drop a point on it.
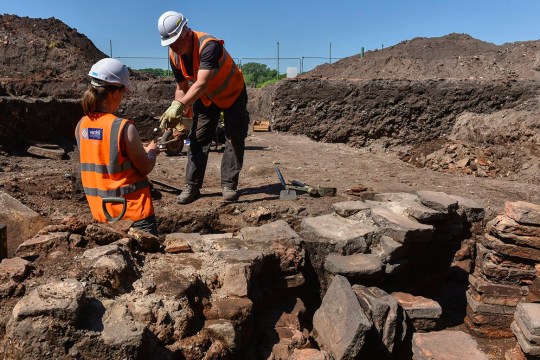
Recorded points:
(286, 193)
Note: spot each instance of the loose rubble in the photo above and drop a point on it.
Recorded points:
(129, 294)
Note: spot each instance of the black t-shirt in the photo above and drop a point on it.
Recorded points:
(209, 59)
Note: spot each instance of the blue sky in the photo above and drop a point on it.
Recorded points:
(252, 29)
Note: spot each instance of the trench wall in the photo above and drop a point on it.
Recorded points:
(394, 112)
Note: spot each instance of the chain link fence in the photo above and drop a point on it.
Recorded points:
(281, 64)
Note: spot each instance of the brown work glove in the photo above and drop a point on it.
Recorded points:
(172, 116)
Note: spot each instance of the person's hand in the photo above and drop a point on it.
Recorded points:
(152, 146)
(172, 116)
(152, 149)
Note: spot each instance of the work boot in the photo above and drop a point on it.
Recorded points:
(229, 194)
(189, 194)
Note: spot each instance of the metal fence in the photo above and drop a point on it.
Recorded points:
(277, 63)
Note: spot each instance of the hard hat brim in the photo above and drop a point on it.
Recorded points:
(169, 41)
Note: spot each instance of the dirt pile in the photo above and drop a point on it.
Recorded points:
(454, 56)
(43, 75)
(43, 49)
(418, 97)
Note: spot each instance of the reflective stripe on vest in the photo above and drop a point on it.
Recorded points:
(124, 190)
(105, 172)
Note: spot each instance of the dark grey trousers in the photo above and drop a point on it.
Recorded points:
(205, 122)
(149, 225)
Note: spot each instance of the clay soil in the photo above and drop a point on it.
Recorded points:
(52, 187)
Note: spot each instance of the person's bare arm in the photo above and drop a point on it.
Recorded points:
(142, 158)
(196, 89)
(181, 90)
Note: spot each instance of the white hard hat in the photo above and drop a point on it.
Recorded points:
(109, 71)
(170, 26)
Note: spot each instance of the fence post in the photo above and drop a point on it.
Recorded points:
(277, 76)
(3, 242)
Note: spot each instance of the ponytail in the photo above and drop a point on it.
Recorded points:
(94, 96)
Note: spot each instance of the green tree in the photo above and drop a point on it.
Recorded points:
(156, 72)
(256, 74)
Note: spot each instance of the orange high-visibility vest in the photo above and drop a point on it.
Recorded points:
(227, 81)
(106, 172)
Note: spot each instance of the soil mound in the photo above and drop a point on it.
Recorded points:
(35, 49)
(43, 75)
(454, 56)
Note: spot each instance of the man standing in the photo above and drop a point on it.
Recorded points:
(208, 80)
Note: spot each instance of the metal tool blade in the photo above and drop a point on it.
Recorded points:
(287, 194)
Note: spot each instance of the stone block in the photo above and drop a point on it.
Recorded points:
(21, 222)
(509, 250)
(348, 208)
(497, 269)
(41, 244)
(185, 269)
(487, 318)
(308, 354)
(533, 339)
(236, 309)
(486, 287)
(14, 269)
(120, 328)
(55, 154)
(61, 300)
(528, 348)
(439, 201)
(509, 230)
(385, 313)
(481, 307)
(399, 227)
(340, 323)
(356, 266)
(523, 212)
(530, 315)
(110, 265)
(183, 242)
(409, 205)
(223, 331)
(12, 273)
(446, 345)
(104, 233)
(346, 236)
(144, 240)
(177, 246)
(470, 209)
(236, 281)
(418, 307)
(275, 231)
(494, 299)
(390, 249)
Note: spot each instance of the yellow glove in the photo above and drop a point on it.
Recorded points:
(172, 116)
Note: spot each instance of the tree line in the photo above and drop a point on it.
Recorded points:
(255, 74)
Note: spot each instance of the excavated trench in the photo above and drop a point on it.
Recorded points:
(396, 112)
(389, 112)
